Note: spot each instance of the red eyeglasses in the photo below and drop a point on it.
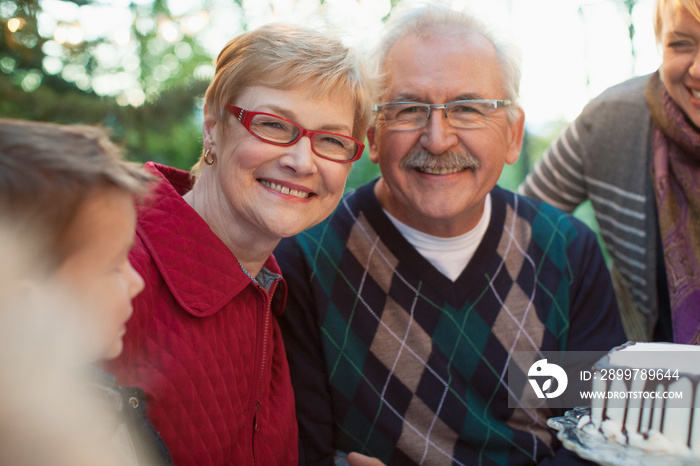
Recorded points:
(279, 131)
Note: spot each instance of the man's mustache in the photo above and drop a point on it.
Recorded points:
(421, 158)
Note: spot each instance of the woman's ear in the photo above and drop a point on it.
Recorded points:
(209, 130)
(209, 133)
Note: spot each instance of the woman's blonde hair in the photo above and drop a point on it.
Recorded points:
(693, 7)
(283, 56)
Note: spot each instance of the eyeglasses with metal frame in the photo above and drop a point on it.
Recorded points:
(465, 114)
(279, 131)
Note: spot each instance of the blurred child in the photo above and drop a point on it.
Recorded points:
(66, 205)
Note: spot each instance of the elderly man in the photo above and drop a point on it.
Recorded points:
(406, 305)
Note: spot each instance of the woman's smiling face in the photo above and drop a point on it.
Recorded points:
(271, 191)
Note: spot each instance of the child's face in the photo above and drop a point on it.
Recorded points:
(99, 271)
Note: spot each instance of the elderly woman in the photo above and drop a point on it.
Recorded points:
(284, 117)
(635, 153)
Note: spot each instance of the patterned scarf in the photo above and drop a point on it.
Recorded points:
(675, 170)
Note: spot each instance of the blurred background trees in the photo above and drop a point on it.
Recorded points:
(145, 83)
(140, 67)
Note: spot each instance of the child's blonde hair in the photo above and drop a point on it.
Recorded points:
(47, 172)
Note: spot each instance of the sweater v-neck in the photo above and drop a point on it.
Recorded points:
(481, 264)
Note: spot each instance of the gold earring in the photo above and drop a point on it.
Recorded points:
(209, 158)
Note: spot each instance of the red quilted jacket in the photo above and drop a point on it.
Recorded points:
(203, 342)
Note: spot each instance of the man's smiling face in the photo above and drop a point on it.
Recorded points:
(425, 183)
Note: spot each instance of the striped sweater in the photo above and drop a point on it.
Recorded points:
(392, 359)
(604, 156)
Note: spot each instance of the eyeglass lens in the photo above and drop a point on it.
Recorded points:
(278, 131)
(459, 114)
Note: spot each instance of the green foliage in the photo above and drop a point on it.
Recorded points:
(167, 131)
(165, 126)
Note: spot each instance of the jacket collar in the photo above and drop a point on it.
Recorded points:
(200, 271)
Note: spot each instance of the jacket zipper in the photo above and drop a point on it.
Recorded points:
(263, 360)
(255, 426)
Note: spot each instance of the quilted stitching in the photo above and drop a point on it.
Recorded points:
(200, 271)
(196, 340)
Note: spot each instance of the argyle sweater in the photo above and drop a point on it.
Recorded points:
(392, 359)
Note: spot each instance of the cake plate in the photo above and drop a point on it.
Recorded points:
(592, 445)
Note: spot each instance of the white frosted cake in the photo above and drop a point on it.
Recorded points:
(634, 378)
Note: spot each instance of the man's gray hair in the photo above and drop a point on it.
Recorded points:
(428, 20)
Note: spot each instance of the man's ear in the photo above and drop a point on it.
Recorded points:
(516, 133)
(373, 155)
